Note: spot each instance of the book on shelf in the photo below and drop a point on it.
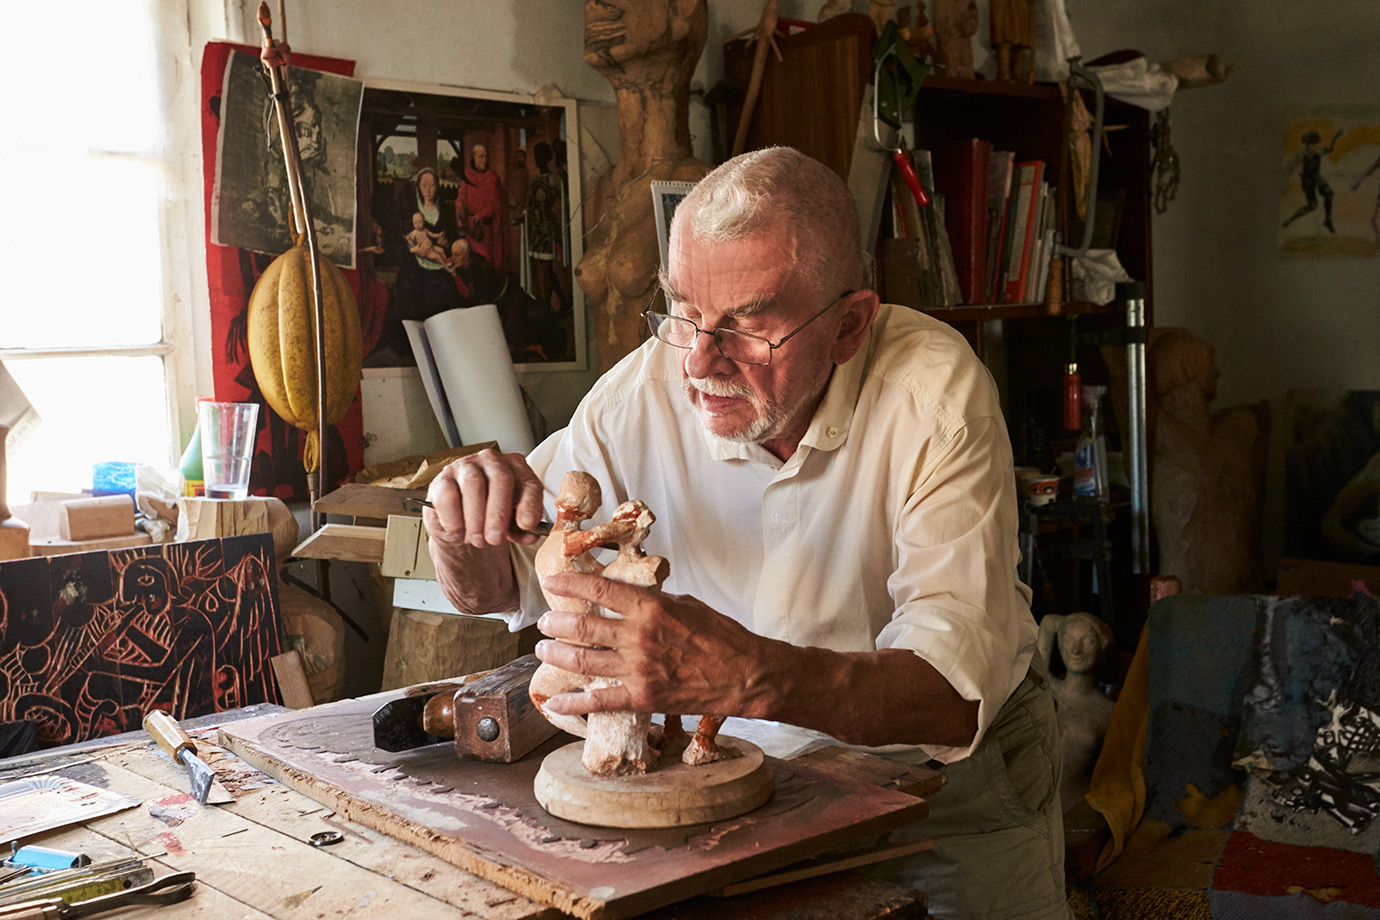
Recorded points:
(1025, 203)
(999, 172)
(938, 277)
(960, 175)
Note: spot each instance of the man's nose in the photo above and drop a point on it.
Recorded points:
(703, 357)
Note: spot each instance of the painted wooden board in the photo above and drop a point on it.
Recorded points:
(485, 818)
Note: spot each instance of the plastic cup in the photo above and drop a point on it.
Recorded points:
(227, 447)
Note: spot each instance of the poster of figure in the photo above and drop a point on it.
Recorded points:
(1330, 205)
(1332, 476)
(251, 204)
(470, 204)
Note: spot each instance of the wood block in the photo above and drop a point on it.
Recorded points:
(672, 795)
(425, 646)
(407, 549)
(14, 539)
(912, 779)
(292, 680)
(494, 718)
(56, 546)
(346, 542)
(93, 518)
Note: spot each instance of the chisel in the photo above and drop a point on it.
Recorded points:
(171, 738)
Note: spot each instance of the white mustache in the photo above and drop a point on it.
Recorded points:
(715, 387)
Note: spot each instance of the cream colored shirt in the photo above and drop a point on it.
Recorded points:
(892, 526)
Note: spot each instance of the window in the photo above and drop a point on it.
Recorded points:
(94, 235)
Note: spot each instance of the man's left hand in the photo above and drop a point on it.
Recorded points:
(671, 653)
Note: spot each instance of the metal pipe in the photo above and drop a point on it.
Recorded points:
(1134, 294)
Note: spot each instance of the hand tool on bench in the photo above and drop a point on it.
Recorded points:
(490, 718)
(164, 729)
(167, 890)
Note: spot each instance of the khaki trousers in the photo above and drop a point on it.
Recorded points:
(997, 826)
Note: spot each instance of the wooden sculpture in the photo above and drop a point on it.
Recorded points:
(1013, 39)
(955, 24)
(1207, 473)
(648, 52)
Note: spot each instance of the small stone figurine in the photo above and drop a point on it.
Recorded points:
(1084, 710)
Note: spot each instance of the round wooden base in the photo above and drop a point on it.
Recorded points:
(672, 795)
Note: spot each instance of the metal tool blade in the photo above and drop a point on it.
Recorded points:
(201, 775)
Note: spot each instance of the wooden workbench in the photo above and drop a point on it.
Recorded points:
(253, 857)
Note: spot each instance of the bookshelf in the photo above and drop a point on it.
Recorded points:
(1025, 344)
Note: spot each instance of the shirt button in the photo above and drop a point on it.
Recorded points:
(832, 432)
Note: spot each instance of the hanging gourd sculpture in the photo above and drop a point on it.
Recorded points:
(293, 359)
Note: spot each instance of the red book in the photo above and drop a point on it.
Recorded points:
(960, 175)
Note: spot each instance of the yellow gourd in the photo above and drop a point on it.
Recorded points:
(282, 342)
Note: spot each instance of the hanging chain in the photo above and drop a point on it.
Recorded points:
(1166, 163)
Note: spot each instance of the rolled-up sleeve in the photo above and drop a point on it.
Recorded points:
(958, 604)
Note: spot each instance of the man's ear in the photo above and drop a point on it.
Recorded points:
(859, 311)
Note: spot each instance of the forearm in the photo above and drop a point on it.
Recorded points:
(475, 580)
(891, 696)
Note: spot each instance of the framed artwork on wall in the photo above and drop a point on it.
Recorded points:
(465, 198)
(1330, 204)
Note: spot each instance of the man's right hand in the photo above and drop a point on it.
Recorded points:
(485, 499)
(475, 502)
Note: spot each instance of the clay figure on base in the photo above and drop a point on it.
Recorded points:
(1084, 710)
(576, 503)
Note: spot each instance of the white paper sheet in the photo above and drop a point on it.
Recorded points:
(466, 351)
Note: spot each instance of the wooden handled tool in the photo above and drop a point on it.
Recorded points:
(491, 718)
(164, 729)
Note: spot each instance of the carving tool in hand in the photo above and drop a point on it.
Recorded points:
(542, 529)
(171, 738)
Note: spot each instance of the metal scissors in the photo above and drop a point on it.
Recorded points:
(166, 890)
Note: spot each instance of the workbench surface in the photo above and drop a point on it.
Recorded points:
(253, 857)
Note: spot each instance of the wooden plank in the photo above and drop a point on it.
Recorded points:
(292, 680)
(813, 868)
(346, 542)
(227, 852)
(56, 546)
(484, 817)
(912, 779)
(357, 499)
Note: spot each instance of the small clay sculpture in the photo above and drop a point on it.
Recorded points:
(1084, 711)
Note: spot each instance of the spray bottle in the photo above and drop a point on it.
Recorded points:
(1090, 455)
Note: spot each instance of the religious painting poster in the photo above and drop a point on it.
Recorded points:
(1330, 204)
(90, 642)
(1332, 476)
(251, 205)
(469, 201)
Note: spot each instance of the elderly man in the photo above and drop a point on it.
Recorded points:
(834, 489)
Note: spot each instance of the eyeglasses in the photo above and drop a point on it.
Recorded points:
(742, 347)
